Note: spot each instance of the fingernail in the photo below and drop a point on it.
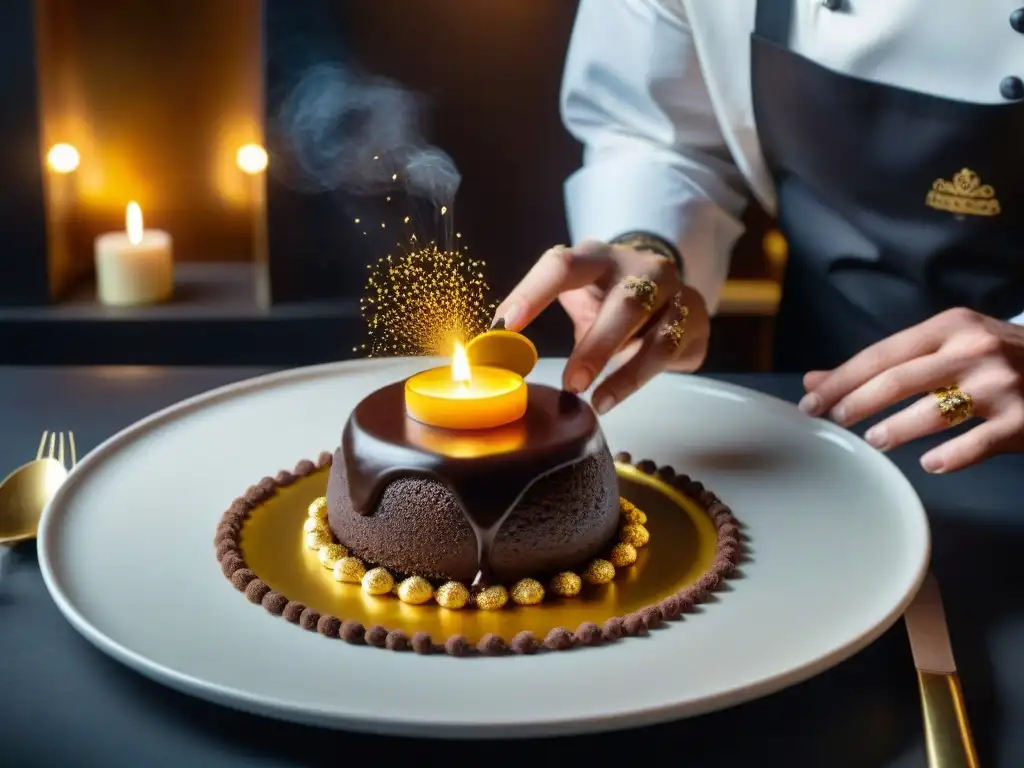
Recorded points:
(810, 404)
(498, 324)
(604, 404)
(512, 315)
(877, 436)
(578, 381)
(838, 414)
(932, 463)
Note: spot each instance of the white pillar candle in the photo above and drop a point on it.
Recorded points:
(135, 266)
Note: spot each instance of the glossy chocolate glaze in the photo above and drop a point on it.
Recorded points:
(381, 444)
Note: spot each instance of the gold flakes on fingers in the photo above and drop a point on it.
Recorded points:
(676, 328)
(642, 289)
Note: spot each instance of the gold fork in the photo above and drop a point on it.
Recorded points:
(25, 492)
(46, 451)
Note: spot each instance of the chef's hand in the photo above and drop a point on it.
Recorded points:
(601, 287)
(980, 355)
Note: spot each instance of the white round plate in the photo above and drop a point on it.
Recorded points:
(839, 543)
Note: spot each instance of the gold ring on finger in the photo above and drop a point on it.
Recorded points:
(642, 289)
(674, 330)
(955, 405)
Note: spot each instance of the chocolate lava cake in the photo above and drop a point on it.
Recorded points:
(492, 506)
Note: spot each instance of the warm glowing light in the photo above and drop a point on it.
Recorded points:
(62, 158)
(493, 398)
(133, 222)
(774, 244)
(460, 364)
(459, 444)
(252, 159)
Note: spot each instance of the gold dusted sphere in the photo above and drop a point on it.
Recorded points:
(378, 581)
(311, 524)
(527, 592)
(452, 595)
(634, 534)
(317, 539)
(415, 590)
(566, 584)
(599, 572)
(622, 554)
(318, 508)
(350, 570)
(630, 513)
(492, 598)
(330, 554)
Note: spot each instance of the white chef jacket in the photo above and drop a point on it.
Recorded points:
(659, 93)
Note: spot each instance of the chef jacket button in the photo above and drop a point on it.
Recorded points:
(1017, 20)
(1012, 88)
(832, 5)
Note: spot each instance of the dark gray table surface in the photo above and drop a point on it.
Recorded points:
(63, 703)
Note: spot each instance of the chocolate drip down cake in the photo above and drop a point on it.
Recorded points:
(487, 506)
(463, 488)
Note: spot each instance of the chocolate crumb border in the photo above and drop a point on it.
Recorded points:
(728, 554)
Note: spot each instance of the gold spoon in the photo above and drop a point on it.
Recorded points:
(26, 491)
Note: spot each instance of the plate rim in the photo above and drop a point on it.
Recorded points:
(525, 727)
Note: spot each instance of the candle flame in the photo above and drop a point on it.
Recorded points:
(460, 364)
(133, 223)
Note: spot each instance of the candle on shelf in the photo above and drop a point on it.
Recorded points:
(135, 266)
(461, 396)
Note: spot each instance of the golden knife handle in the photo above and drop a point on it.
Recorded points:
(947, 733)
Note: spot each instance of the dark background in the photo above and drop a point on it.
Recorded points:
(490, 73)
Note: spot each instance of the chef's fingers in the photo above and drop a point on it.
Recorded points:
(919, 419)
(813, 379)
(558, 269)
(1002, 434)
(629, 304)
(917, 341)
(694, 349)
(893, 385)
(924, 417)
(667, 341)
(993, 395)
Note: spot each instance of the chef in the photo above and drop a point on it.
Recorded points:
(887, 136)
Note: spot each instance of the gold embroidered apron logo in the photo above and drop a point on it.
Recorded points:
(964, 195)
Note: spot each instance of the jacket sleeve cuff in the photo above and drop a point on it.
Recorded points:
(618, 195)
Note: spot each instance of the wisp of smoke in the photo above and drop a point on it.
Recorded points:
(342, 130)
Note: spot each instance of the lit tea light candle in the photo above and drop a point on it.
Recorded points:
(461, 396)
(135, 266)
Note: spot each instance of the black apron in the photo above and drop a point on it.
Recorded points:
(895, 204)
